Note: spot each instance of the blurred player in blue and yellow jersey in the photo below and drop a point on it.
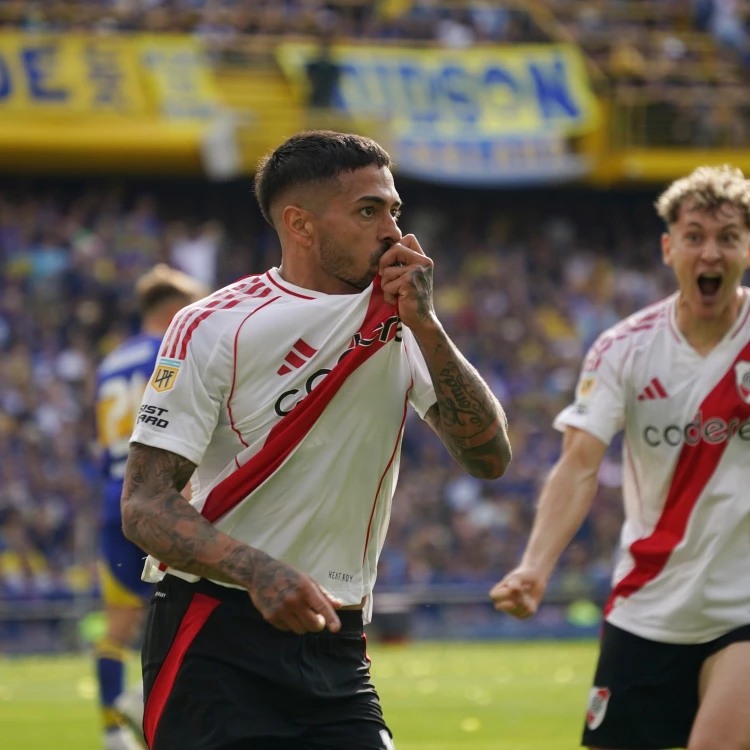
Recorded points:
(121, 380)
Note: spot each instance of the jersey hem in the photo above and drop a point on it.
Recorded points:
(662, 635)
(152, 574)
(168, 444)
(560, 423)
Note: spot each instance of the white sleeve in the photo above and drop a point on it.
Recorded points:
(422, 395)
(181, 403)
(599, 406)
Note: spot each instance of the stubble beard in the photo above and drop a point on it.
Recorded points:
(339, 264)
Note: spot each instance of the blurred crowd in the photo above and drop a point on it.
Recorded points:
(221, 22)
(524, 283)
(677, 69)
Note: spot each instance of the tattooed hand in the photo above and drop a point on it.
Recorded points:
(290, 600)
(409, 284)
(157, 518)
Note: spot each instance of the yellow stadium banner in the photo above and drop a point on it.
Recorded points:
(478, 106)
(529, 89)
(68, 76)
(177, 77)
(103, 101)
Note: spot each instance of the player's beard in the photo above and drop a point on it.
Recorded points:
(337, 262)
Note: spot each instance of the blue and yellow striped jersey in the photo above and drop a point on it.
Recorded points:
(121, 379)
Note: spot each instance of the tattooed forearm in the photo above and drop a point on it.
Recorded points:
(468, 418)
(163, 523)
(157, 518)
(421, 277)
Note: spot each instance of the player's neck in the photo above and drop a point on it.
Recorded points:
(314, 278)
(705, 335)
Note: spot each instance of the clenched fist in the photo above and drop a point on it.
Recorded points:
(519, 593)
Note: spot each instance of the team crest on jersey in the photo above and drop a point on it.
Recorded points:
(165, 374)
(742, 375)
(598, 701)
(586, 385)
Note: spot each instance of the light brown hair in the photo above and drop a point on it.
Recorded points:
(163, 283)
(706, 188)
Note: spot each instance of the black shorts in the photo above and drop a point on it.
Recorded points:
(645, 693)
(217, 676)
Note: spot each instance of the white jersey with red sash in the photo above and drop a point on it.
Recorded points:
(292, 405)
(683, 574)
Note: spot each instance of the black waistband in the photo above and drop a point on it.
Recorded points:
(351, 619)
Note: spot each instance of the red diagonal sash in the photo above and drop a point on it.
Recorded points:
(696, 465)
(288, 433)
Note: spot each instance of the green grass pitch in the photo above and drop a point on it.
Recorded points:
(436, 696)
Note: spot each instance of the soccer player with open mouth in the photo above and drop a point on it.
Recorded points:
(675, 648)
(284, 397)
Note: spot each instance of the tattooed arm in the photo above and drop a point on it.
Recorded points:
(157, 518)
(467, 416)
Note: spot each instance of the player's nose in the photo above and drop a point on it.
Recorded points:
(390, 231)
(711, 250)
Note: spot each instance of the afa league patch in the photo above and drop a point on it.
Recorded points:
(598, 701)
(165, 374)
(586, 385)
(742, 376)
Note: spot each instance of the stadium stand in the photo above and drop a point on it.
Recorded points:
(454, 23)
(524, 284)
(674, 72)
(525, 280)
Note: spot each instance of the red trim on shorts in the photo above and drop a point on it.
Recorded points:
(696, 465)
(387, 467)
(291, 429)
(234, 371)
(198, 612)
(284, 289)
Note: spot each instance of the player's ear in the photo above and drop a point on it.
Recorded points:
(666, 248)
(298, 224)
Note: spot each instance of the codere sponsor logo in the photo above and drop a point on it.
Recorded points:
(391, 328)
(713, 430)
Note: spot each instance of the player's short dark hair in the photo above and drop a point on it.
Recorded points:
(164, 284)
(310, 157)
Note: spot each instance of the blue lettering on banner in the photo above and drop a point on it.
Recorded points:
(460, 93)
(39, 62)
(455, 96)
(552, 91)
(417, 92)
(505, 98)
(476, 116)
